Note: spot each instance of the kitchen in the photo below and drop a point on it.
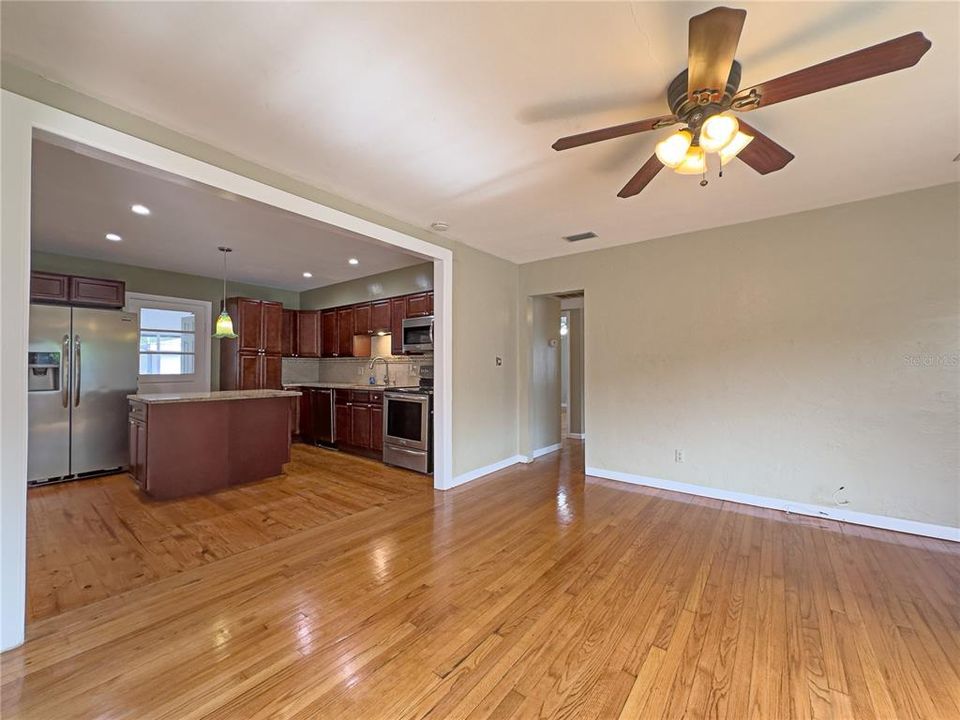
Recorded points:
(137, 387)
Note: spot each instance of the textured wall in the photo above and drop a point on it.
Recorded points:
(786, 357)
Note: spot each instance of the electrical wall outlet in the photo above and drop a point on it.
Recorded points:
(678, 455)
(359, 369)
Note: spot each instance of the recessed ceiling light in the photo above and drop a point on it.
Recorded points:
(308, 274)
(113, 237)
(353, 261)
(439, 226)
(140, 209)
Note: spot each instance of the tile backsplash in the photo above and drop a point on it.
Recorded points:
(403, 370)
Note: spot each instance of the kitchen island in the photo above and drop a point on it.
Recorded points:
(191, 443)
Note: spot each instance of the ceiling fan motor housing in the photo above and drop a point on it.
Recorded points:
(693, 113)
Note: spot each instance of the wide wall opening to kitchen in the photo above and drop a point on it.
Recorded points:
(204, 369)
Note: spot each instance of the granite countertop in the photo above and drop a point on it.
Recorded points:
(157, 398)
(342, 386)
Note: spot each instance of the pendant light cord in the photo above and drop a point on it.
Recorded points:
(223, 305)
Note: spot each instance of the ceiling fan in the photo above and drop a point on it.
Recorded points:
(703, 96)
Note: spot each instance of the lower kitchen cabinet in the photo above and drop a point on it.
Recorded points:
(359, 421)
(343, 420)
(376, 428)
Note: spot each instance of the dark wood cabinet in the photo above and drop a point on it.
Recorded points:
(272, 328)
(95, 292)
(188, 448)
(398, 311)
(247, 318)
(308, 333)
(419, 304)
(380, 316)
(361, 319)
(359, 421)
(305, 416)
(248, 372)
(252, 360)
(329, 334)
(376, 428)
(49, 287)
(76, 290)
(289, 345)
(271, 370)
(360, 425)
(343, 423)
(345, 332)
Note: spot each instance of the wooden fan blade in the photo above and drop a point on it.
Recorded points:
(712, 44)
(616, 131)
(763, 154)
(644, 175)
(896, 54)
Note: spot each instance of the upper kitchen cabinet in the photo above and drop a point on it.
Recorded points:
(361, 319)
(259, 324)
(345, 332)
(380, 316)
(251, 361)
(288, 341)
(420, 304)
(398, 311)
(97, 292)
(308, 333)
(49, 287)
(329, 334)
(73, 290)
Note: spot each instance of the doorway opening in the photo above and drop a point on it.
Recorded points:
(41, 230)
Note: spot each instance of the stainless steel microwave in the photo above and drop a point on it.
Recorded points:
(418, 335)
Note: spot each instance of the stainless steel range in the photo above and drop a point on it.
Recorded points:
(408, 424)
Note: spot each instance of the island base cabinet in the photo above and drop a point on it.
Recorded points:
(188, 448)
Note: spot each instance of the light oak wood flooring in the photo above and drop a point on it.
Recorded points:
(534, 593)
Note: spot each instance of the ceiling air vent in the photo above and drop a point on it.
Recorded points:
(580, 236)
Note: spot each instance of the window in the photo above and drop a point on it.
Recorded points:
(174, 343)
(168, 342)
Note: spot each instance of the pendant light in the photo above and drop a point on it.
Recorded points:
(224, 325)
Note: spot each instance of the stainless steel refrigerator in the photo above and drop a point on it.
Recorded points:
(82, 364)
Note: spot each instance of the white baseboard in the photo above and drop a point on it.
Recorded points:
(577, 436)
(486, 470)
(884, 522)
(545, 450)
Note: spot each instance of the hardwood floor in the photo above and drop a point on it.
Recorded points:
(533, 593)
(91, 539)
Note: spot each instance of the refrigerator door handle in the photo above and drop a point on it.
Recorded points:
(76, 371)
(65, 372)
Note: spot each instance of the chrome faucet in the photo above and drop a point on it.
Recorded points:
(386, 368)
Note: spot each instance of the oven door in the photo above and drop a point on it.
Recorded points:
(406, 420)
(418, 335)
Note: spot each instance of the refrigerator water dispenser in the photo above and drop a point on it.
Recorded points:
(44, 371)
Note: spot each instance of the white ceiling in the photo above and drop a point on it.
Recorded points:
(446, 111)
(80, 195)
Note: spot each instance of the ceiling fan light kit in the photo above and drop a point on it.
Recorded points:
(703, 97)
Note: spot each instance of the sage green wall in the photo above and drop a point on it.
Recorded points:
(403, 281)
(162, 282)
(484, 286)
(786, 357)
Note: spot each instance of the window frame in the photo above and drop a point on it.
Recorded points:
(199, 379)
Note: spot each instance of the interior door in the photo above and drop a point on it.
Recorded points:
(105, 360)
